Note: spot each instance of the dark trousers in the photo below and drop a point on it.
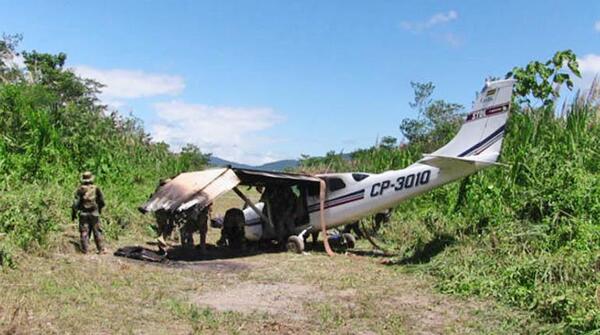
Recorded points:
(89, 224)
(187, 233)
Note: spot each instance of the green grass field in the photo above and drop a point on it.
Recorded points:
(66, 292)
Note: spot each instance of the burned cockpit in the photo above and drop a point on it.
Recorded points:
(281, 211)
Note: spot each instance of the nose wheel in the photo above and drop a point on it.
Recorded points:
(295, 244)
(342, 241)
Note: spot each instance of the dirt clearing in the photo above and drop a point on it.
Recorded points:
(285, 300)
(275, 293)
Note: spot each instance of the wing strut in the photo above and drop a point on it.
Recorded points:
(249, 203)
(322, 215)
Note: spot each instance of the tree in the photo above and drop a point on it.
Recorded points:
(48, 70)
(9, 72)
(437, 120)
(543, 80)
(388, 142)
(191, 158)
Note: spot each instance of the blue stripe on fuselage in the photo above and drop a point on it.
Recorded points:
(341, 200)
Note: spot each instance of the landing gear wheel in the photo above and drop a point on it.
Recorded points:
(295, 244)
(349, 240)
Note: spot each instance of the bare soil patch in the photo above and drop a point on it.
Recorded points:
(427, 313)
(282, 299)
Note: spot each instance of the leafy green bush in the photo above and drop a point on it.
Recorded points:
(52, 127)
(527, 234)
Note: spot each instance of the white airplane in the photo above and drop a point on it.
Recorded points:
(326, 201)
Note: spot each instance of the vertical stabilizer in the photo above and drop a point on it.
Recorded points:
(480, 137)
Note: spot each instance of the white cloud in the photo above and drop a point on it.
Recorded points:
(597, 26)
(130, 84)
(436, 19)
(232, 133)
(589, 65)
(442, 18)
(452, 39)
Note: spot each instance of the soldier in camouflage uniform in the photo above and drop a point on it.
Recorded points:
(232, 233)
(164, 222)
(182, 222)
(282, 201)
(164, 227)
(202, 223)
(194, 220)
(88, 203)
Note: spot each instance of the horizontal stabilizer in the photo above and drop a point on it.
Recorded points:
(441, 161)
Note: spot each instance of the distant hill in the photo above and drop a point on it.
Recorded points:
(280, 165)
(216, 161)
(273, 166)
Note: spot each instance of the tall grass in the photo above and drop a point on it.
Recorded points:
(47, 140)
(528, 234)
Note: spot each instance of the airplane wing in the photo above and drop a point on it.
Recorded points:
(191, 188)
(203, 187)
(263, 178)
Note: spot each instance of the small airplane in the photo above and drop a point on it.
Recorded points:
(326, 201)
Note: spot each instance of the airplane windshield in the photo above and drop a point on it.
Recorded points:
(359, 176)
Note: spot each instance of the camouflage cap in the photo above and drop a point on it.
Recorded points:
(87, 177)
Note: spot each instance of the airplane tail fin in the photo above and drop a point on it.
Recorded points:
(480, 137)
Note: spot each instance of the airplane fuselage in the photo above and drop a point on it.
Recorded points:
(364, 194)
(381, 191)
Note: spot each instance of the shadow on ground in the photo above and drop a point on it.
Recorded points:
(181, 256)
(371, 253)
(214, 252)
(429, 250)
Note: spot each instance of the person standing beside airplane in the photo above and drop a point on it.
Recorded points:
(88, 203)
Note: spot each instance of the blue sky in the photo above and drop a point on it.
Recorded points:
(256, 81)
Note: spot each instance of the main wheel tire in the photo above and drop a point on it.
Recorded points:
(295, 244)
(349, 240)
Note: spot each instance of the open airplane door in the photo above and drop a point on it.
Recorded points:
(191, 188)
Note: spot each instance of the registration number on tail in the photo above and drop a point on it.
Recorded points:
(401, 183)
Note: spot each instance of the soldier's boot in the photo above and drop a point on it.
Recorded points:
(99, 244)
(98, 238)
(83, 234)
